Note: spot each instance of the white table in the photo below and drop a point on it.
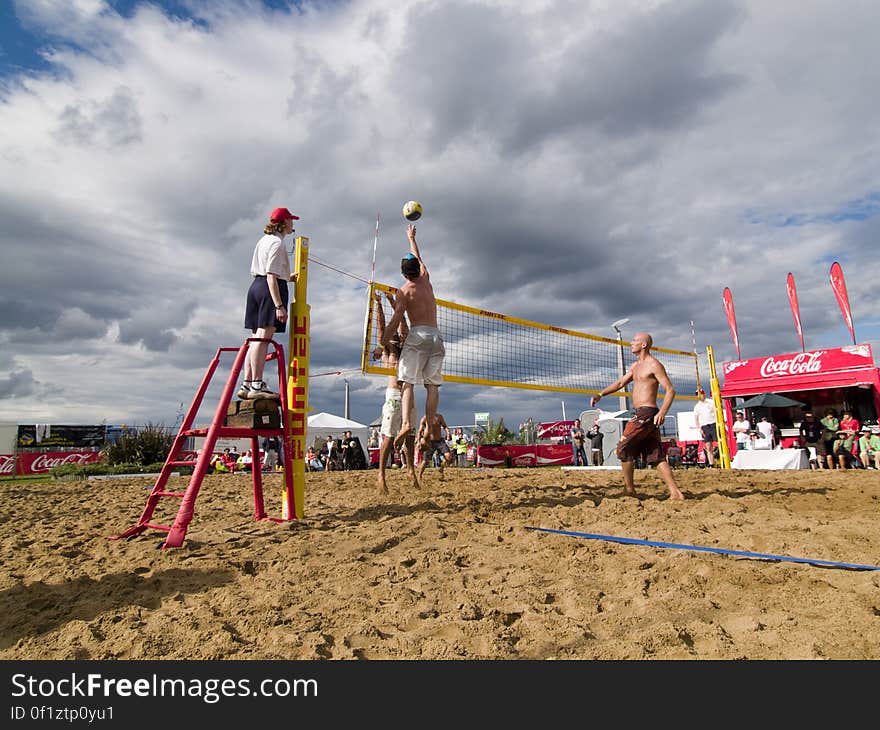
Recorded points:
(771, 459)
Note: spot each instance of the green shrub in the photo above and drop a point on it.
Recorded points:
(147, 445)
(70, 472)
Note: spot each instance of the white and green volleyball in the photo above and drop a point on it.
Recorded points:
(412, 211)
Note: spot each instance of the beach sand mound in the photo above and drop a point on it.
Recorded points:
(448, 572)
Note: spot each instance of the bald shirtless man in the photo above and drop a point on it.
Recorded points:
(421, 360)
(642, 432)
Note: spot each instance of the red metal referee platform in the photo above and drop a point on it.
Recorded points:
(176, 532)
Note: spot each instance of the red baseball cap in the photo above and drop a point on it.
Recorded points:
(282, 214)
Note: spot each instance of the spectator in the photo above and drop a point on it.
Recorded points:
(766, 429)
(757, 441)
(330, 454)
(313, 462)
(270, 458)
(596, 437)
(229, 459)
(578, 437)
(673, 454)
(741, 428)
(869, 449)
(830, 427)
(704, 420)
(843, 449)
(810, 433)
(849, 424)
(461, 446)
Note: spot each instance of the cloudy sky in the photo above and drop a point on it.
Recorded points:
(579, 162)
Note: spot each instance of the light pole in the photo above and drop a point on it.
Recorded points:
(346, 398)
(616, 327)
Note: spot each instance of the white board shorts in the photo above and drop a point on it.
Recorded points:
(422, 358)
(392, 414)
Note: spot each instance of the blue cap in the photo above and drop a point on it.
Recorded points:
(410, 256)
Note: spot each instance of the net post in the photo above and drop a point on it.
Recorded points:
(297, 387)
(720, 416)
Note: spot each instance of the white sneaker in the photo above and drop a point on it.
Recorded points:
(244, 392)
(259, 389)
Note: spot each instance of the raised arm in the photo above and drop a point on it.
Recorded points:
(414, 248)
(380, 324)
(403, 327)
(397, 317)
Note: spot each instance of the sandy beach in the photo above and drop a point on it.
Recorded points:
(449, 572)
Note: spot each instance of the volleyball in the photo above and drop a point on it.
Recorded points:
(412, 211)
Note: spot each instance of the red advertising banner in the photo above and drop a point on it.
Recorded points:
(839, 286)
(517, 455)
(554, 455)
(42, 463)
(514, 455)
(554, 429)
(795, 309)
(727, 298)
(816, 362)
(7, 465)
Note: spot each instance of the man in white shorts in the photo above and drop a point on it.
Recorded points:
(391, 410)
(421, 360)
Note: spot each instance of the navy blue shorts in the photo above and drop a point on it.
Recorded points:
(260, 309)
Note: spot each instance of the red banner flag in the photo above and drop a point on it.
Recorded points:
(795, 310)
(731, 318)
(839, 286)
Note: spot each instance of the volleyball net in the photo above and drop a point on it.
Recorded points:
(487, 348)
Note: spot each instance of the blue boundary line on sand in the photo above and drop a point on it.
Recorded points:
(721, 551)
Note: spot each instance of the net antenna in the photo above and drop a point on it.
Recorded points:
(696, 357)
(375, 246)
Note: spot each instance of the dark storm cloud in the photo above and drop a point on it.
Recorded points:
(113, 122)
(18, 384)
(501, 81)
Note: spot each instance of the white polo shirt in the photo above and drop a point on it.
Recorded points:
(270, 257)
(705, 412)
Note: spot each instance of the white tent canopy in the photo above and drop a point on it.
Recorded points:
(324, 424)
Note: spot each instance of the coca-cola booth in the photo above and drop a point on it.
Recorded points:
(843, 378)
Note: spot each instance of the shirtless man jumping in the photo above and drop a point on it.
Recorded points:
(421, 360)
(642, 432)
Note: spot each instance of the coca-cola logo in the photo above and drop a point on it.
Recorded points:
(7, 464)
(44, 462)
(804, 362)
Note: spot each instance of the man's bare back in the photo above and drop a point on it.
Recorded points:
(432, 430)
(418, 294)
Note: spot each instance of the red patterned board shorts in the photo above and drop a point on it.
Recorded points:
(641, 436)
